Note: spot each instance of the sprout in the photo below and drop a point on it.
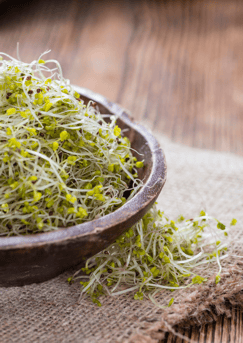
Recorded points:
(61, 162)
(156, 253)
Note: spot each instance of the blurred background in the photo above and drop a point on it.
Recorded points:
(177, 64)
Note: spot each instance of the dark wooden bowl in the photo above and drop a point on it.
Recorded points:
(39, 257)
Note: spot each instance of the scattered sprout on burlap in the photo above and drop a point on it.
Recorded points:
(155, 254)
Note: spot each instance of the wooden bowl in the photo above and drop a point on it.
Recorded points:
(39, 257)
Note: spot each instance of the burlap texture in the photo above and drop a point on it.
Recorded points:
(50, 312)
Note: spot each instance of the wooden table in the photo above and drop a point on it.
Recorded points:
(178, 64)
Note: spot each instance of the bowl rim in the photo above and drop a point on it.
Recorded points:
(95, 226)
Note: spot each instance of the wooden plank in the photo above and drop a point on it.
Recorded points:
(177, 64)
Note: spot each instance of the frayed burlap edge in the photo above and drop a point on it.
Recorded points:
(202, 305)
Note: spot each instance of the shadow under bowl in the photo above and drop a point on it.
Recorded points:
(39, 257)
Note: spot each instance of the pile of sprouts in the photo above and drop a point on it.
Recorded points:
(155, 254)
(61, 162)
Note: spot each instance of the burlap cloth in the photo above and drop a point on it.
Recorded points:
(49, 312)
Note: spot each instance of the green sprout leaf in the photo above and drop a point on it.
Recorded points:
(220, 226)
(233, 222)
(171, 302)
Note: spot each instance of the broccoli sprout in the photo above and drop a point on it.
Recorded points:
(156, 253)
(61, 162)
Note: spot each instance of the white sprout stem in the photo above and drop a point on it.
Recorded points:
(125, 291)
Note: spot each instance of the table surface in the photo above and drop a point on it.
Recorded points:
(177, 64)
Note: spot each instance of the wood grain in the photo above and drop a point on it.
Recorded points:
(177, 64)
